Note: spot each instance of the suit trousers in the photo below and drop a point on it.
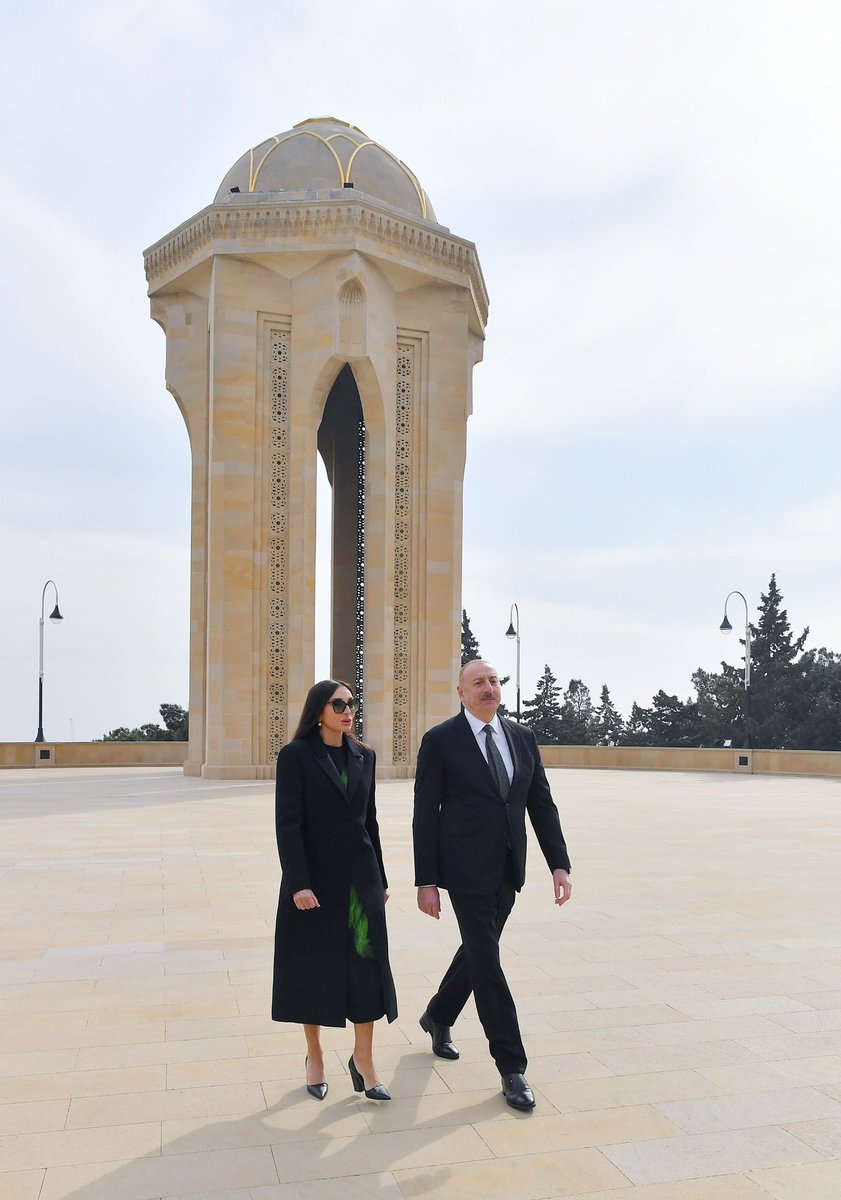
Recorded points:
(476, 967)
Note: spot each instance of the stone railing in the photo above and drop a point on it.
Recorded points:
(92, 754)
(673, 758)
(600, 758)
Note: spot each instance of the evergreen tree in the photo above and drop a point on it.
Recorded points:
(672, 722)
(784, 691)
(772, 647)
(607, 722)
(469, 644)
(177, 721)
(176, 728)
(776, 680)
(719, 704)
(816, 713)
(636, 731)
(669, 722)
(795, 696)
(576, 715)
(543, 713)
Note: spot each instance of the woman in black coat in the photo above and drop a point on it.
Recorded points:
(331, 947)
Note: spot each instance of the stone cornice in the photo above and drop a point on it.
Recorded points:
(257, 224)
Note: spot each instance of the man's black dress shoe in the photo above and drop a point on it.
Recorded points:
(517, 1093)
(441, 1038)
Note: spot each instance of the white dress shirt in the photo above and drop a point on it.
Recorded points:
(478, 727)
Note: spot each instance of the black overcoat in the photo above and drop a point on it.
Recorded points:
(462, 826)
(327, 839)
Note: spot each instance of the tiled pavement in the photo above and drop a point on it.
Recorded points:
(682, 1014)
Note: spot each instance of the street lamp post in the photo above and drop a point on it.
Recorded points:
(55, 617)
(726, 627)
(514, 632)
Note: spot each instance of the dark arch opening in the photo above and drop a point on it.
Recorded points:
(341, 444)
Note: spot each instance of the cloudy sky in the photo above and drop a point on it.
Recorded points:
(653, 187)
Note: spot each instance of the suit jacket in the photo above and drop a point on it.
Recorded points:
(327, 838)
(462, 827)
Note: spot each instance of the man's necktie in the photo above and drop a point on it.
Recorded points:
(496, 763)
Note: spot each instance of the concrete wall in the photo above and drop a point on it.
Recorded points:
(601, 758)
(92, 754)
(666, 758)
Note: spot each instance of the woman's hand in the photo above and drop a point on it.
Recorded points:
(305, 899)
(385, 897)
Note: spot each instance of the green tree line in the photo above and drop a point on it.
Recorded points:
(176, 728)
(795, 699)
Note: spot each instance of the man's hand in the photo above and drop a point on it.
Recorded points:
(429, 901)
(305, 899)
(563, 886)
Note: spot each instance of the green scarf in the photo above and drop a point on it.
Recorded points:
(358, 922)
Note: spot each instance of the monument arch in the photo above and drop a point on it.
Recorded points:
(318, 307)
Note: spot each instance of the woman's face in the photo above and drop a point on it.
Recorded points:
(334, 724)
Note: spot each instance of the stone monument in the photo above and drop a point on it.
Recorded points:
(317, 307)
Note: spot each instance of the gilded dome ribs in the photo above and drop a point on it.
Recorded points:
(325, 152)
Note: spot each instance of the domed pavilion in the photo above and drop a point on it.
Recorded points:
(317, 307)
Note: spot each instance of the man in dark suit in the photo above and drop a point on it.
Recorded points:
(477, 775)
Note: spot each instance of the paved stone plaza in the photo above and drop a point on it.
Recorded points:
(682, 1014)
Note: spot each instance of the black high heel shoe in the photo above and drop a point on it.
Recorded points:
(317, 1090)
(377, 1092)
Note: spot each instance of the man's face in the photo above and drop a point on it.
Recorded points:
(479, 690)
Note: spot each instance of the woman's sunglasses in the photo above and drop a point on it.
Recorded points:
(339, 706)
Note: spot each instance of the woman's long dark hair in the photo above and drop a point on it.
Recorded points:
(317, 697)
